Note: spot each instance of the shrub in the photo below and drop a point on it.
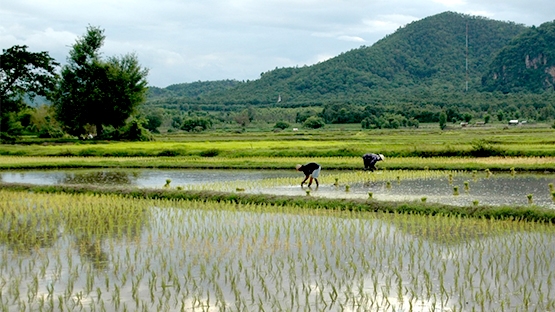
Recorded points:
(314, 122)
(196, 124)
(282, 125)
(210, 152)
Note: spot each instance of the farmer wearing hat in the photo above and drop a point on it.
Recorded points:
(310, 170)
(370, 161)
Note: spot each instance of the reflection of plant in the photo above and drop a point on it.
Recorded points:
(370, 194)
(168, 181)
(488, 173)
(530, 198)
(455, 190)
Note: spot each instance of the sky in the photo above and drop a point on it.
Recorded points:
(183, 41)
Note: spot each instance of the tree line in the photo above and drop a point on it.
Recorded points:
(90, 96)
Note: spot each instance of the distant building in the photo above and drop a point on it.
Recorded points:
(513, 122)
(464, 124)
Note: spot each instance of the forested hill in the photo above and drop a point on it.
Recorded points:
(526, 64)
(429, 54)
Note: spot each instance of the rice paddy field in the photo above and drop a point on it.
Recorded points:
(63, 252)
(76, 247)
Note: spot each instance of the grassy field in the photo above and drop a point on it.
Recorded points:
(492, 148)
(71, 247)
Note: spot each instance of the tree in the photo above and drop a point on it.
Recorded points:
(314, 122)
(282, 125)
(98, 92)
(442, 120)
(154, 120)
(22, 74)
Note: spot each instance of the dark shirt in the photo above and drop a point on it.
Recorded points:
(309, 168)
(372, 157)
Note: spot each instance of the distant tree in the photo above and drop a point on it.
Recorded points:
(282, 125)
(442, 120)
(196, 124)
(177, 121)
(314, 122)
(22, 74)
(500, 115)
(97, 91)
(467, 117)
(242, 118)
(487, 118)
(153, 120)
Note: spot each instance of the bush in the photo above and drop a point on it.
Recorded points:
(210, 153)
(483, 148)
(196, 124)
(314, 122)
(281, 125)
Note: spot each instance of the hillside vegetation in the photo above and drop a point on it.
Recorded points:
(526, 64)
(468, 67)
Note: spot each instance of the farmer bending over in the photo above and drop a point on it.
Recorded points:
(370, 161)
(310, 170)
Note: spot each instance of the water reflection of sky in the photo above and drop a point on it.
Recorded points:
(499, 189)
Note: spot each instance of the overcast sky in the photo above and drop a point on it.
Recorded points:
(198, 40)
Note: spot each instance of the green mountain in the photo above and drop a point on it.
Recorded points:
(430, 53)
(192, 90)
(526, 64)
(448, 62)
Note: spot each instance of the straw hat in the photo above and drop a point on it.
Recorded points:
(381, 156)
(298, 166)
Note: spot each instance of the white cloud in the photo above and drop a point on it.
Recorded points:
(184, 41)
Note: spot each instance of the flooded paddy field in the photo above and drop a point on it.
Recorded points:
(448, 187)
(61, 252)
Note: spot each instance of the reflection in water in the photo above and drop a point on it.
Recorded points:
(496, 189)
(92, 251)
(26, 233)
(190, 255)
(99, 177)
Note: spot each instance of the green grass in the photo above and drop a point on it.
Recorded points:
(315, 143)
(335, 148)
(271, 163)
(524, 213)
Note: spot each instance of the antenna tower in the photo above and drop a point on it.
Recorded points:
(467, 56)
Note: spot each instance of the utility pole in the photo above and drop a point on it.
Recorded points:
(467, 56)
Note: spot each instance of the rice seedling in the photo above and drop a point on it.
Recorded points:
(423, 199)
(370, 195)
(551, 188)
(144, 254)
(455, 190)
(530, 198)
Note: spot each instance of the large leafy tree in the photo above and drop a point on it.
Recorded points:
(95, 91)
(22, 74)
